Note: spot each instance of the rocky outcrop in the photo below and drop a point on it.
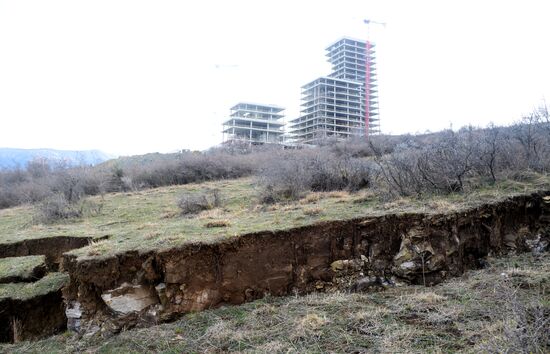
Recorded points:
(359, 254)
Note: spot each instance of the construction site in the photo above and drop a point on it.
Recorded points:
(339, 105)
(254, 124)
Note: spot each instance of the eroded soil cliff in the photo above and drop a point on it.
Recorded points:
(134, 288)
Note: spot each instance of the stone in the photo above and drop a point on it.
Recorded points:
(405, 252)
(74, 314)
(537, 245)
(365, 283)
(319, 285)
(510, 240)
(162, 293)
(338, 265)
(386, 283)
(409, 265)
(91, 331)
(129, 298)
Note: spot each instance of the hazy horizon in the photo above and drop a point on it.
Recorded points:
(132, 77)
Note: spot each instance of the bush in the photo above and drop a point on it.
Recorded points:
(289, 175)
(56, 208)
(406, 165)
(197, 202)
(440, 166)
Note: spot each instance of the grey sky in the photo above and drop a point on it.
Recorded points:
(141, 76)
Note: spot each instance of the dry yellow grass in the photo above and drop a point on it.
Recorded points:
(217, 223)
(312, 321)
(311, 198)
(148, 220)
(428, 297)
(210, 214)
(312, 211)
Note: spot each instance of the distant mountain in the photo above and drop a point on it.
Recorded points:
(14, 158)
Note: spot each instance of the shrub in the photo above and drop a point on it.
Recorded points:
(56, 208)
(289, 175)
(197, 202)
(406, 165)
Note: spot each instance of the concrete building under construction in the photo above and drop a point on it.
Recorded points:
(254, 124)
(344, 103)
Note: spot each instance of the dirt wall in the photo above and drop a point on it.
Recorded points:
(411, 248)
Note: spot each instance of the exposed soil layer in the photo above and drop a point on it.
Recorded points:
(32, 310)
(41, 313)
(34, 318)
(410, 248)
(52, 247)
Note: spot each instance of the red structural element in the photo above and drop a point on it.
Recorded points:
(367, 88)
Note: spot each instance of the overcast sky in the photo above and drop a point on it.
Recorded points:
(131, 77)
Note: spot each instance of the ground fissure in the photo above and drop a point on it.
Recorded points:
(31, 299)
(143, 288)
(116, 290)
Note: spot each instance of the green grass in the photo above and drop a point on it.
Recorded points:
(150, 219)
(23, 291)
(20, 267)
(487, 310)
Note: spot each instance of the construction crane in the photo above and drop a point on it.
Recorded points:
(368, 22)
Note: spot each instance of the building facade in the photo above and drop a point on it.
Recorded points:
(344, 103)
(254, 123)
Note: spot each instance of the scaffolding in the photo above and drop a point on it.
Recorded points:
(254, 124)
(337, 105)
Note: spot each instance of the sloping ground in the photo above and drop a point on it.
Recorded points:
(151, 220)
(502, 308)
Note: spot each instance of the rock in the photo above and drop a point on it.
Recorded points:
(510, 240)
(319, 285)
(74, 314)
(386, 283)
(91, 331)
(347, 265)
(129, 298)
(409, 265)
(365, 283)
(338, 266)
(405, 252)
(537, 245)
(161, 293)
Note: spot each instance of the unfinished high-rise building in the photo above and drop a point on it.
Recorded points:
(344, 103)
(254, 123)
